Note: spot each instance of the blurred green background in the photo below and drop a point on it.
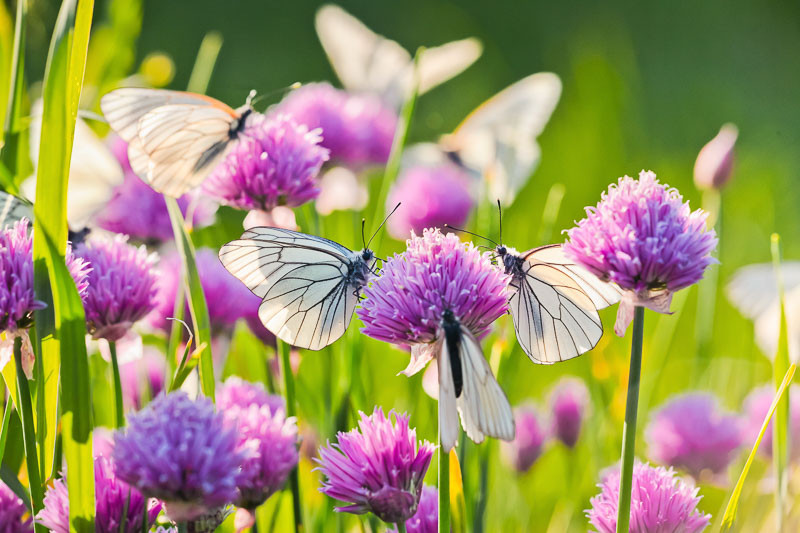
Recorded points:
(645, 86)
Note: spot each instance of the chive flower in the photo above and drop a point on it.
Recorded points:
(714, 164)
(426, 519)
(14, 515)
(755, 409)
(645, 238)
(378, 467)
(569, 401)
(531, 435)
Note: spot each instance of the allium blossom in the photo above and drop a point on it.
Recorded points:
(143, 378)
(275, 164)
(660, 503)
(136, 210)
(181, 452)
(569, 401)
(430, 197)
(357, 128)
(228, 298)
(378, 467)
(756, 406)
(236, 392)
(714, 164)
(113, 496)
(17, 299)
(122, 285)
(522, 452)
(14, 515)
(691, 432)
(643, 237)
(426, 519)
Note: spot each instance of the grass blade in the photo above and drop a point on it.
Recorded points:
(10, 153)
(729, 516)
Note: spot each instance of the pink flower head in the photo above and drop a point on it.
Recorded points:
(569, 401)
(756, 406)
(643, 237)
(426, 519)
(14, 516)
(522, 452)
(236, 392)
(357, 128)
(660, 503)
(378, 467)
(714, 164)
(430, 197)
(275, 164)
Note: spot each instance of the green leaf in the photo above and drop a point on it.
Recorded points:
(11, 154)
(730, 511)
(76, 392)
(61, 92)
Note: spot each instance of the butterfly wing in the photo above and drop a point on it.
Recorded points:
(182, 144)
(498, 139)
(123, 108)
(302, 281)
(441, 63)
(482, 404)
(13, 209)
(554, 317)
(448, 409)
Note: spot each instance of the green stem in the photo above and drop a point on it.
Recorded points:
(119, 409)
(4, 428)
(444, 488)
(401, 527)
(483, 495)
(629, 430)
(780, 435)
(291, 410)
(28, 433)
(707, 291)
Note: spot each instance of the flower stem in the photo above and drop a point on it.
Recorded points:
(629, 430)
(28, 432)
(291, 410)
(401, 527)
(119, 410)
(444, 488)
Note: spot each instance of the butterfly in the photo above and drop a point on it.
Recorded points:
(368, 62)
(496, 143)
(175, 139)
(309, 285)
(753, 290)
(13, 209)
(467, 386)
(94, 172)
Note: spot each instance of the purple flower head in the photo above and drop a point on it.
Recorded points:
(236, 392)
(529, 440)
(430, 197)
(228, 298)
(182, 452)
(276, 163)
(378, 467)
(660, 503)
(143, 378)
(756, 406)
(112, 495)
(136, 210)
(17, 299)
(569, 400)
(691, 432)
(437, 273)
(270, 442)
(14, 516)
(714, 164)
(643, 237)
(122, 285)
(426, 519)
(357, 128)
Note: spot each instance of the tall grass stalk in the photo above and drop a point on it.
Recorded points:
(10, 155)
(28, 434)
(119, 409)
(291, 410)
(443, 471)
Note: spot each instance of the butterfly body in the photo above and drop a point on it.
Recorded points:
(452, 336)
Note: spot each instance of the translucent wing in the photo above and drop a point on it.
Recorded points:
(182, 144)
(123, 108)
(483, 405)
(307, 299)
(448, 410)
(366, 61)
(13, 209)
(754, 292)
(498, 139)
(554, 317)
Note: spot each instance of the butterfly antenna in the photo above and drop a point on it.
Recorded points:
(91, 115)
(500, 217)
(253, 99)
(363, 238)
(470, 233)
(250, 98)
(382, 223)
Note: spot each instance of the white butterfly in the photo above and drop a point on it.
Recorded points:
(366, 61)
(554, 303)
(175, 139)
(94, 172)
(467, 387)
(309, 286)
(754, 292)
(13, 209)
